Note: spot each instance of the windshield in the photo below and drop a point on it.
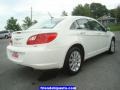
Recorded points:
(46, 24)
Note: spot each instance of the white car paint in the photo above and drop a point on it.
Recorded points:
(52, 55)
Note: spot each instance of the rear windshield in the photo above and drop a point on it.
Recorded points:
(46, 24)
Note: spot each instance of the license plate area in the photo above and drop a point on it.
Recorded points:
(15, 55)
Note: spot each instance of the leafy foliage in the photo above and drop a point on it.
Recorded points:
(115, 13)
(92, 10)
(118, 13)
(28, 23)
(81, 10)
(98, 10)
(12, 25)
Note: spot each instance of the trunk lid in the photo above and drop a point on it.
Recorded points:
(20, 38)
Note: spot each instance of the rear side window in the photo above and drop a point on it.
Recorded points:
(83, 23)
(80, 24)
(74, 25)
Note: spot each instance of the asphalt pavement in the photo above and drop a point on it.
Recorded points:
(99, 73)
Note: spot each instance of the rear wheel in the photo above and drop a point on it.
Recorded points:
(73, 61)
(112, 47)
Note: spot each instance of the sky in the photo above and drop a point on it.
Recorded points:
(21, 8)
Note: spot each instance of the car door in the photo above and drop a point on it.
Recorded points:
(87, 36)
(90, 36)
(101, 35)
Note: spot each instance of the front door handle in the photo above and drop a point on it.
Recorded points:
(82, 33)
(99, 33)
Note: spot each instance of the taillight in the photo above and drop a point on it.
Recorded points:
(41, 38)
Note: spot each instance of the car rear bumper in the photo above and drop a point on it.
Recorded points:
(37, 57)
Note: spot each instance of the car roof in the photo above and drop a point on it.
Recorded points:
(76, 17)
(67, 21)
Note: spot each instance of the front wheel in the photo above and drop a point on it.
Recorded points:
(112, 47)
(73, 61)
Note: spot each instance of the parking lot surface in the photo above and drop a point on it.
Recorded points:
(99, 73)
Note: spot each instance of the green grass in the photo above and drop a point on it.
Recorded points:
(114, 27)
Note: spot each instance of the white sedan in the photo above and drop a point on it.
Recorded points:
(64, 42)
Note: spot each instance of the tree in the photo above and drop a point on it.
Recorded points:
(78, 10)
(28, 23)
(87, 10)
(115, 13)
(118, 13)
(12, 25)
(98, 10)
(94, 10)
(64, 13)
(82, 10)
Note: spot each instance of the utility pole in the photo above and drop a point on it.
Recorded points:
(31, 13)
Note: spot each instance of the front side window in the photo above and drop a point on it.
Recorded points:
(93, 25)
(46, 24)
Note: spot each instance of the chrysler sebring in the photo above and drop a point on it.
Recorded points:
(64, 42)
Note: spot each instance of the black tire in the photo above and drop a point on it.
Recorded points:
(112, 47)
(66, 66)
